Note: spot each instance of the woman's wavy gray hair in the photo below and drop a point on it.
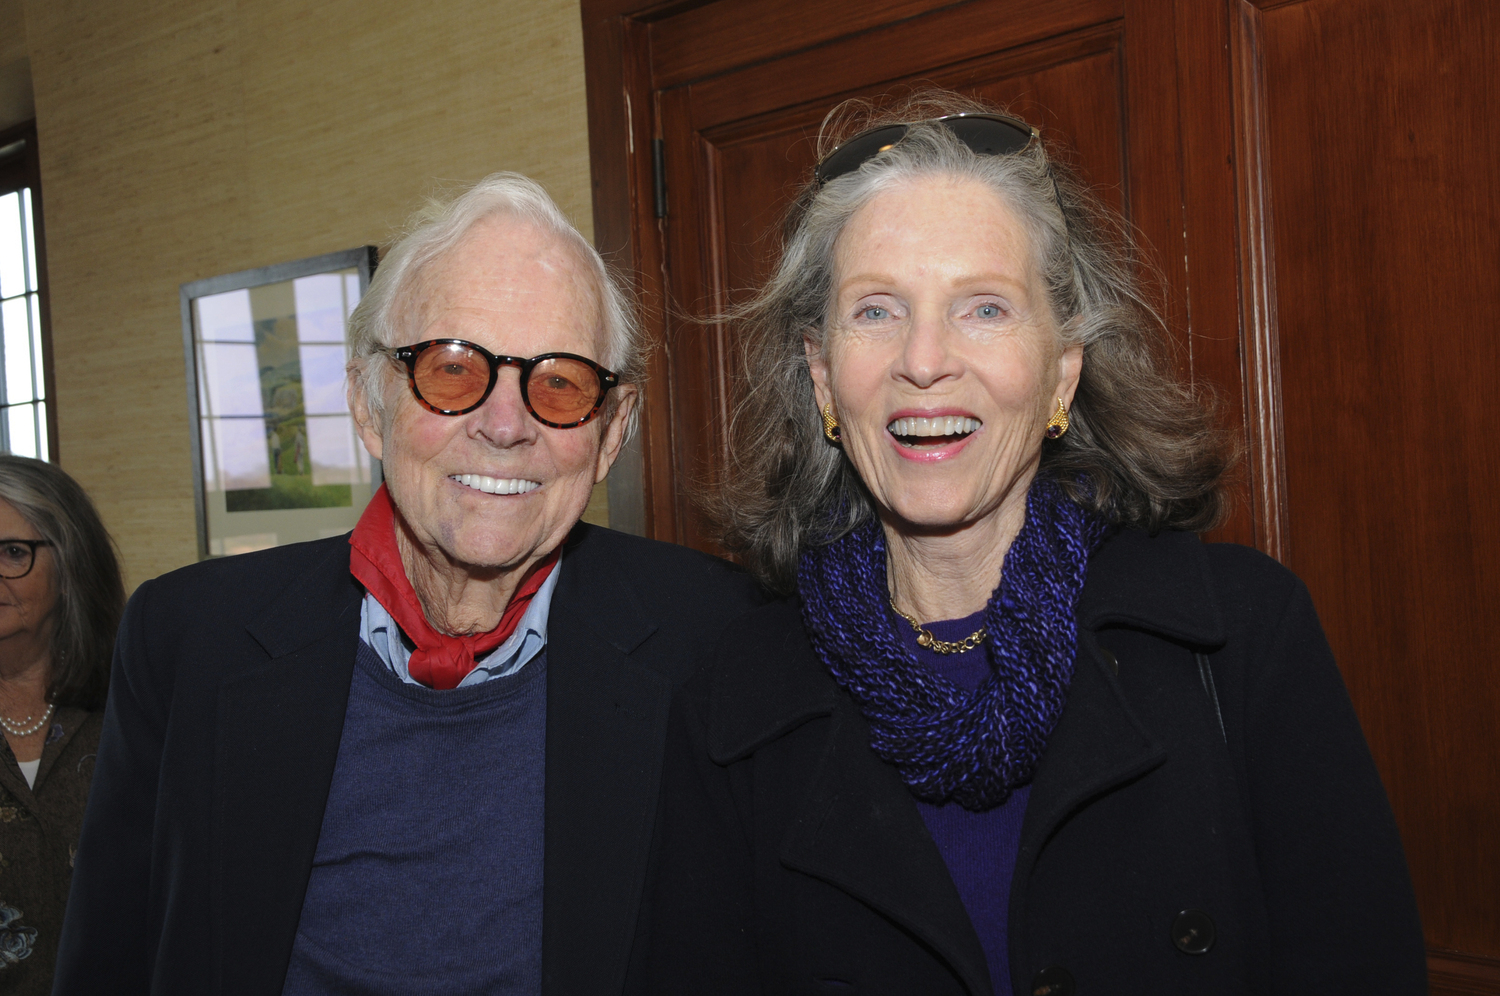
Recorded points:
(90, 593)
(1142, 449)
(387, 306)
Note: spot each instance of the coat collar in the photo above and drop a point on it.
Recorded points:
(321, 598)
(771, 684)
(1161, 584)
(70, 719)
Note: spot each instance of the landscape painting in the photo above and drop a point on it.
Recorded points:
(279, 460)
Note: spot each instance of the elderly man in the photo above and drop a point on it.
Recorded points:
(423, 758)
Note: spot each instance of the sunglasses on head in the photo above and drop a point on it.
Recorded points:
(454, 377)
(985, 134)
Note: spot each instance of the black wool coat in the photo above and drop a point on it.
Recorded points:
(225, 710)
(1206, 818)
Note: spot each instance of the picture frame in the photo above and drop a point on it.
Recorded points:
(275, 455)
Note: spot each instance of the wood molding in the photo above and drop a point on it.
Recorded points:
(1451, 973)
(702, 42)
(620, 118)
(1260, 330)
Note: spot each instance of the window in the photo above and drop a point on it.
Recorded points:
(25, 422)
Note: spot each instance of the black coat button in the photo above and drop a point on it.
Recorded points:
(1193, 932)
(1054, 981)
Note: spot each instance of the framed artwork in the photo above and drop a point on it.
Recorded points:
(276, 459)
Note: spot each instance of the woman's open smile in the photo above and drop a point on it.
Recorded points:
(932, 434)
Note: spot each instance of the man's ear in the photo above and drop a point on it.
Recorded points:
(817, 365)
(364, 418)
(614, 430)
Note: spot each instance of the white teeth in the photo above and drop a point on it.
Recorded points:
(496, 486)
(943, 425)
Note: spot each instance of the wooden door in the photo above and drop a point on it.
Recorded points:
(1315, 179)
(1381, 159)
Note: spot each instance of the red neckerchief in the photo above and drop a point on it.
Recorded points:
(440, 661)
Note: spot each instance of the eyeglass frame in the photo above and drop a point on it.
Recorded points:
(608, 379)
(32, 544)
(1033, 134)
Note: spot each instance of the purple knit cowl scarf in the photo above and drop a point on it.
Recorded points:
(948, 743)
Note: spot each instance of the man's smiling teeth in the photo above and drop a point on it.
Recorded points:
(943, 425)
(495, 486)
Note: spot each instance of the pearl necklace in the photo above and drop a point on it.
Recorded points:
(18, 730)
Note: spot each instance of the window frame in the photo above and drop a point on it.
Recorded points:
(21, 168)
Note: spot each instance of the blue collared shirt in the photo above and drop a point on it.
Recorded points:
(379, 630)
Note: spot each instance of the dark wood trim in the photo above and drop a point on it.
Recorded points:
(908, 46)
(698, 44)
(1451, 973)
(622, 119)
(646, 10)
(1211, 226)
(1261, 332)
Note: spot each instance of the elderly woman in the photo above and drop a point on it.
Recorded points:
(60, 602)
(1014, 729)
(395, 762)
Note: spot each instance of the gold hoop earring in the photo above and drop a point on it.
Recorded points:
(1058, 423)
(830, 424)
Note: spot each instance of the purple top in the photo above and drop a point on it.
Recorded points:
(978, 848)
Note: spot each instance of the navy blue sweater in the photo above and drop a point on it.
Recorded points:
(428, 873)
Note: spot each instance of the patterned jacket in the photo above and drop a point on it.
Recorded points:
(38, 835)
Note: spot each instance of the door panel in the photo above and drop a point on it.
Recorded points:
(1383, 175)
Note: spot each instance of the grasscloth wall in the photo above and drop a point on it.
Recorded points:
(181, 139)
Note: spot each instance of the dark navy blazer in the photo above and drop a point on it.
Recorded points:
(225, 711)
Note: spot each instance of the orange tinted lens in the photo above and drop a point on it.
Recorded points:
(562, 390)
(451, 377)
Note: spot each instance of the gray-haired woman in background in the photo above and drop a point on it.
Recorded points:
(60, 603)
(1014, 729)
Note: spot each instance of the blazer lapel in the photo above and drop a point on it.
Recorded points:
(606, 728)
(860, 831)
(279, 726)
(1097, 744)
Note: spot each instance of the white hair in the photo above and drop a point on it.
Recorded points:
(379, 319)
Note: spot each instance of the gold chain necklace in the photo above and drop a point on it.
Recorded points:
(927, 641)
